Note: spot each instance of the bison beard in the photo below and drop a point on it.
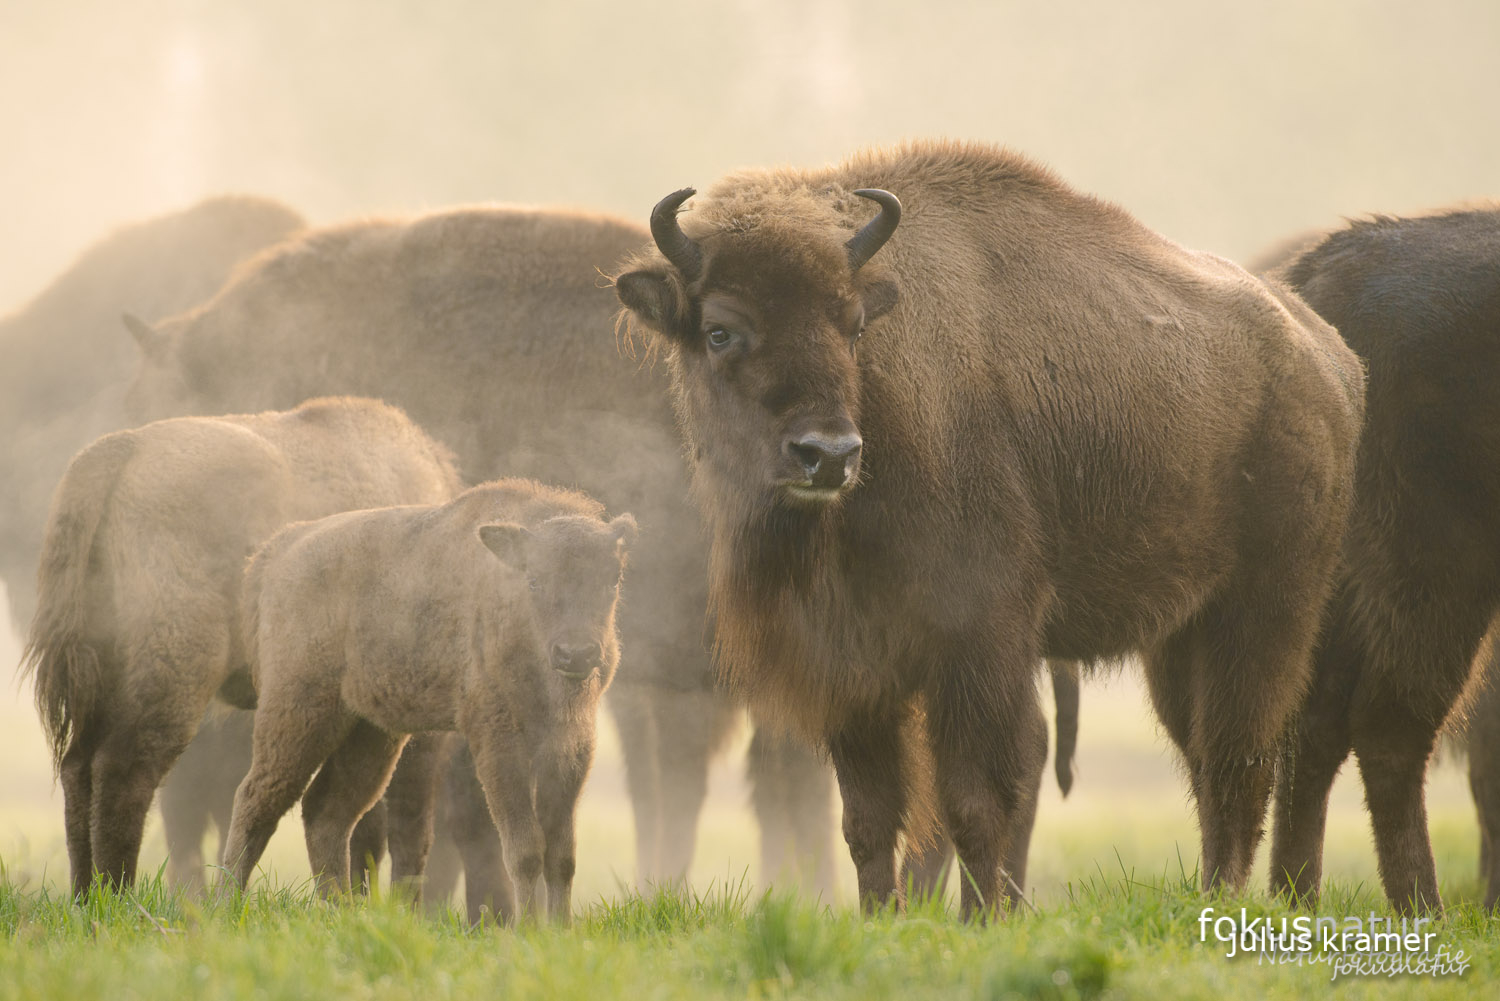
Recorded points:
(1077, 439)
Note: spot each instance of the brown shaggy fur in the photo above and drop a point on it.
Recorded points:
(65, 362)
(1078, 439)
(1419, 301)
(493, 328)
(493, 615)
(137, 622)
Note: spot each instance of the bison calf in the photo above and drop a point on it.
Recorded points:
(493, 615)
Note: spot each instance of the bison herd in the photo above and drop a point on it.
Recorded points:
(875, 440)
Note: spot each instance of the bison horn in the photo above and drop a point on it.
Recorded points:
(863, 245)
(675, 245)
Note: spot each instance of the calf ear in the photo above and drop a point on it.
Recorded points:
(625, 530)
(652, 296)
(508, 542)
(880, 297)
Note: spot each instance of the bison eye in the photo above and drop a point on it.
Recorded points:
(719, 338)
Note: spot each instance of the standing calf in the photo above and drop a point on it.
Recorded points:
(493, 615)
(1028, 427)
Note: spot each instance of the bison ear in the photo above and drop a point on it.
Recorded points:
(651, 295)
(624, 529)
(880, 297)
(508, 542)
(152, 342)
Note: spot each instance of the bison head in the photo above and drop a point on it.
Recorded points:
(763, 317)
(573, 566)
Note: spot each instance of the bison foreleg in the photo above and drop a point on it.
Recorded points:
(989, 741)
(503, 765)
(867, 759)
(558, 784)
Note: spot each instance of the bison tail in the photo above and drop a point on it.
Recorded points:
(1065, 695)
(60, 656)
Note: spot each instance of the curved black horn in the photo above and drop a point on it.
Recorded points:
(863, 245)
(675, 245)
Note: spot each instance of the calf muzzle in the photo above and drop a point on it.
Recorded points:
(577, 662)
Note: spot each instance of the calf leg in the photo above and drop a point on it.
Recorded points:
(411, 799)
(486, 884)
(77, 774)
(504, 768)
(559, 782)
(349, 783)
(295, 732)
(130, 763)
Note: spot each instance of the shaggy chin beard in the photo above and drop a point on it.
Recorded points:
(809, 498)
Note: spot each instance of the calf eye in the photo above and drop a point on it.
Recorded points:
(719, 338)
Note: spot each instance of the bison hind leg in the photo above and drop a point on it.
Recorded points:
(350, 782)
(128, 766)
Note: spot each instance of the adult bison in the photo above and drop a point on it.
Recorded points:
(137, 622)
(493, 328)
(64, 366)
(1418, 299)
(1027, 427)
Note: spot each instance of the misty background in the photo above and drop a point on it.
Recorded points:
(1228, 128)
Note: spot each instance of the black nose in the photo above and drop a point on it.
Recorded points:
(576, 661)
(827, 459)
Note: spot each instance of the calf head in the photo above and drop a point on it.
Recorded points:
(573, 567)
(763, 318)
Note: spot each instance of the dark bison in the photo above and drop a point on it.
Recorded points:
(493, 328)
(1028, 427)
(137, 621)
(1418, 300)
(64, 366)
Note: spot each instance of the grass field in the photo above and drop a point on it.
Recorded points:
(1112, 938)
(1112, 879)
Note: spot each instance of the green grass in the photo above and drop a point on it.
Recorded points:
(1113, 936)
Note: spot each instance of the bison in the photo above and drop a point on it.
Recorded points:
(1418, 299)
(136, 626)
(1017, 425)
(493, 615)
(493, 328)
(64, 366)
